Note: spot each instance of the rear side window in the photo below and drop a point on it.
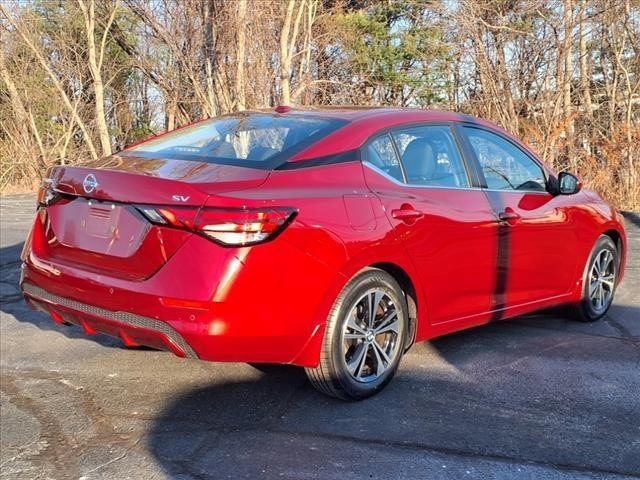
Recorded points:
(430, 157)
(248, 140)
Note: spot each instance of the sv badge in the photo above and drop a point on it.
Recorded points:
(180, 198)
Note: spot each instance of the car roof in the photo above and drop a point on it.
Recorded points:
(358, 112)
(363, 122)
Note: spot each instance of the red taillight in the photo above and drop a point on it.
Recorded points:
(226, 226)
(242, 226)
(179, 217)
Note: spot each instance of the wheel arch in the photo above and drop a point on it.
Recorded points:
(619, 240)
(310, 353)
(616, 237)
(409, 290)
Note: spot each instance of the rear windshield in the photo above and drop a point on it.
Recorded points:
(247, 140)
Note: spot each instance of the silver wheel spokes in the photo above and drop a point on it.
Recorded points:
(602, 280)
(370, 336)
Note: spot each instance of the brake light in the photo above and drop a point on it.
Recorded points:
(243, 226)
(226, 226)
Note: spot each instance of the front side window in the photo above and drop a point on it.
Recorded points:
(251, 140)
(430, 157)
(504, 165)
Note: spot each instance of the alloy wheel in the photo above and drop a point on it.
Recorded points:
(602, 281)
(370, 336)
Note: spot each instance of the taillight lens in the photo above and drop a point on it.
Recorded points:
(179, 217)
(242, 226)
(226, 226)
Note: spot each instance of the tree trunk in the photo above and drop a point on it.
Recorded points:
(584, 68)
(285, 59)
(170, 121)
(566, 81)
(240, 55)
(209, 54)
(505, 85)
(95, 65)
(287, 47)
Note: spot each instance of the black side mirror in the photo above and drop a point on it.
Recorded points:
(569, 183)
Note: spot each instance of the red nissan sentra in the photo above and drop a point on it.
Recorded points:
(331, 238)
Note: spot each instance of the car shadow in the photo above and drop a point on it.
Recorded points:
(470, 393)
(461, 394)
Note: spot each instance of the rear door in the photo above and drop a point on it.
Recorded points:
(538, 259)
(444, 221)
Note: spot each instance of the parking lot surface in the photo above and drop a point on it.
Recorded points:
(535, 397)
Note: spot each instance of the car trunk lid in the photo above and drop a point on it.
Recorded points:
(130, 179)
(97, 225)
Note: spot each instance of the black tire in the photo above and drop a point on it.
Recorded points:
(332, 376)
(585, 310)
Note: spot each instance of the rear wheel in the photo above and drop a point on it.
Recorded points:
(600, 277)
(364, 338)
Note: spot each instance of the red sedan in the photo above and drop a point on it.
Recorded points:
(332, 239)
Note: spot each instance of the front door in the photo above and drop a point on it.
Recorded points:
(537, 260)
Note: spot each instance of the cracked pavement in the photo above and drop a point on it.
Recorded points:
(535, 397)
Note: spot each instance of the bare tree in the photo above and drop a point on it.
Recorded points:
(288, 38)
(240, 55)
(78, 77)
(96, 58)
(567, 61)
(31, 44)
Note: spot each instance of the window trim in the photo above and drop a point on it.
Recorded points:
(471, 181)
(395, 181)
(398, 156)
(483, 180)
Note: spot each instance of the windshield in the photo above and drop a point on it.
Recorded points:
(247, 140)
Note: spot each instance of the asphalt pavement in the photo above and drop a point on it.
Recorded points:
(538, 397)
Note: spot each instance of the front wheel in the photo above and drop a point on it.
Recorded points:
(364, 338)
(599, 281)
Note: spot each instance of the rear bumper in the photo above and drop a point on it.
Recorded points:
(257, 304)
(131, 328)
